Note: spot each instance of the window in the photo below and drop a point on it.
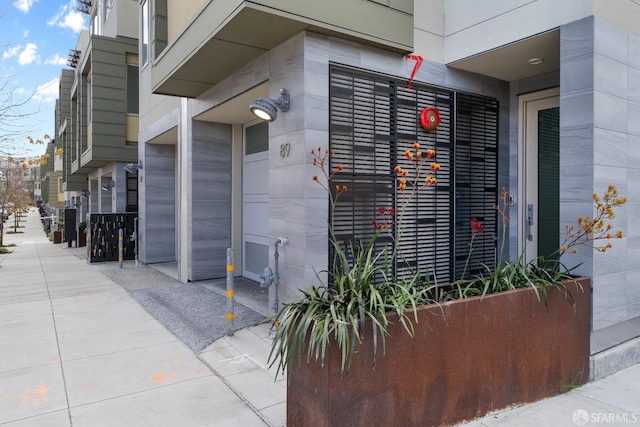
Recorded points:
(132, 89)
(132, 193)
(108, 5)
(373, 120)
(144, 40)
(97, 19)
(89, 95)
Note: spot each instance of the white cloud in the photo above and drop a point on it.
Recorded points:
(56, 60)
(23, 5)
(12, 51)
(25, 34)
(47, 92)
(74, 20)
(29, 54)
(68, 17)
(56, 18)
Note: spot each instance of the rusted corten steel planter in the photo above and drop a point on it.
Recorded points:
(467, 358)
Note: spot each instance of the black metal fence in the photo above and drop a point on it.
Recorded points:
(103, 230)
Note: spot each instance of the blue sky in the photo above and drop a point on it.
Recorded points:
(35, 38)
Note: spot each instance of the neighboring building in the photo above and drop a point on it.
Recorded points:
(52, 184)
(33, 175)
(500, 73)
(97, 111)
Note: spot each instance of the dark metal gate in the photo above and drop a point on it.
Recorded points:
(103, 230)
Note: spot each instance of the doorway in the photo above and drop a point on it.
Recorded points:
(539, 172)
(255, 200)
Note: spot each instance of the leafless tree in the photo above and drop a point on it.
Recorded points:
(16, 112)
(14, 195)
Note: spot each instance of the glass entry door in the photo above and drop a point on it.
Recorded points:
(540, 206)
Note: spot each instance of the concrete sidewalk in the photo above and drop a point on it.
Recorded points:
(77, 349)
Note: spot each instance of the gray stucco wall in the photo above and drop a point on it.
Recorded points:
(600, 145)
(209, 213)
(157, 206)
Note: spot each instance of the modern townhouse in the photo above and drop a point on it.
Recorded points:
(98, 119)
(537, 97)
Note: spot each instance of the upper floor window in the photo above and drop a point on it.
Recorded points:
(144, 37)
(97, 18)
(89, 94)
(132, 89)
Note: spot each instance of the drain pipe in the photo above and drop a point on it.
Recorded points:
(280, 241)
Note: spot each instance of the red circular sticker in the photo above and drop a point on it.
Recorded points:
(430, 118)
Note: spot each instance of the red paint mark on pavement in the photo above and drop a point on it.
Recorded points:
(161, 377)
(34, 396)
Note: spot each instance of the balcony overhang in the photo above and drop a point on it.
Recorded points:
(216, 43)
(75, 183)
(100, 156)
(512, 61)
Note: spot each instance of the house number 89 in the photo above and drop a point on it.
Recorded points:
(285, 149)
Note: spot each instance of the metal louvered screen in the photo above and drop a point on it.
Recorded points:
(424, 245)
(373, 120)
(476, 181)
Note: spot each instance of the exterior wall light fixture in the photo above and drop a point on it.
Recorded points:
(133, 167)
(267, 108)
(106, 186)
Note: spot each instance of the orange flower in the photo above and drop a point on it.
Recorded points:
(431, 153)
(339, 167)
(397, 170)
(435, 167)
(409, 154)
(315, 177)
(405, 172)
(416, 146)
(419, 154)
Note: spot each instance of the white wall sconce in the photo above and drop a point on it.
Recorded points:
(267, 108)
(133, 167)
